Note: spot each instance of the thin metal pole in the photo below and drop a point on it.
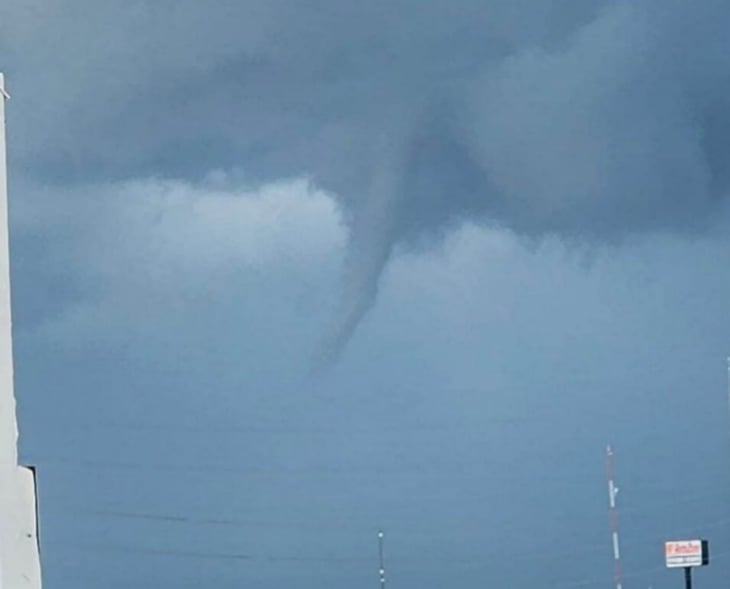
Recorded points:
(613, 516)
(688, 577)
(381, 570)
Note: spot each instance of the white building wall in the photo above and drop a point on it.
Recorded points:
(19, 555)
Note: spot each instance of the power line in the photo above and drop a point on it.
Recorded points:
(223, 556)
(203, 521)
(225, 429)
(443, 563)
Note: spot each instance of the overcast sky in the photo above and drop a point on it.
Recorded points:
(288, 272)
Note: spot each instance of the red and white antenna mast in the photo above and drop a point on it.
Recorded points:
(728, 380)
(613, 516)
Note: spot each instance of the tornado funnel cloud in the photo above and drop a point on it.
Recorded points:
(373, 235)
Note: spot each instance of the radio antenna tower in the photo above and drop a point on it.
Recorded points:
(613, 516)
(381, 569)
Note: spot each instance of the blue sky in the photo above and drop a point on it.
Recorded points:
(287, 274)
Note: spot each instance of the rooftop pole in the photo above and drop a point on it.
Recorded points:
(381, 559)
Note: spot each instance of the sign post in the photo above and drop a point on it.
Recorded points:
(687, 554)
(687, 577)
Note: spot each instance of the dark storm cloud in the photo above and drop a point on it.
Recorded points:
(589, 120)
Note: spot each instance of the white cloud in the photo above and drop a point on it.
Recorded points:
(148, 251)
(204, 228)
